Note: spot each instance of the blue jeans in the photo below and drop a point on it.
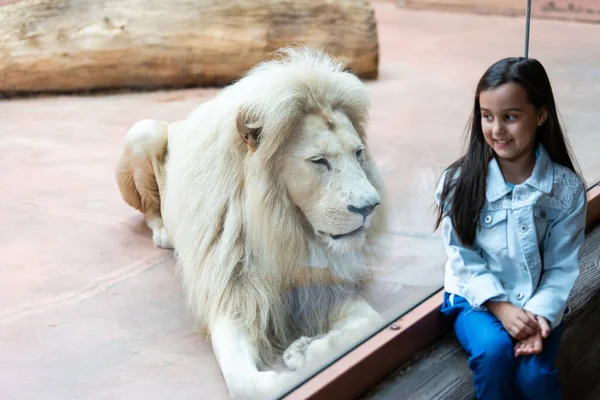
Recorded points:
(497, 373)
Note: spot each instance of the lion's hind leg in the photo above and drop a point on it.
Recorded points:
(140, 174)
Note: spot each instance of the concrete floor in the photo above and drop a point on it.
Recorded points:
(90, 309)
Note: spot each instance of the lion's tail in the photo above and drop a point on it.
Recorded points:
(140, 168)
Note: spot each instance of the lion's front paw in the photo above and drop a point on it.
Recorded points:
(323, 349)
(295, 355)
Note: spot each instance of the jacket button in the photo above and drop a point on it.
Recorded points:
(488, 219)
(523, 228)
(519, 296)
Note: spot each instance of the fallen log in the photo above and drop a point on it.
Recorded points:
(71, 45)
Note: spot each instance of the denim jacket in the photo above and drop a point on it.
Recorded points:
(527, 244)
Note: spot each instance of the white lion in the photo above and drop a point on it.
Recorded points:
(271, 200)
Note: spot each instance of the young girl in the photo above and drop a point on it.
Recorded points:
(512, 212)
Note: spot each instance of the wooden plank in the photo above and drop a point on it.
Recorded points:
(58, 45)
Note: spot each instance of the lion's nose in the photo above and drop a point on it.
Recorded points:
(364, 211)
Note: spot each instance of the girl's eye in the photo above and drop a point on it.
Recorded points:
(487, 117)
(511, 117)
(321, 161)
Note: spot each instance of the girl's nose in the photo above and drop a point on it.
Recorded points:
(497, 128)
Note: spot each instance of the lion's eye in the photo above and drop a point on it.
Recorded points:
(321, 161)
(359, 153)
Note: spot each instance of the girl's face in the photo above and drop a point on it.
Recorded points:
(508, 121)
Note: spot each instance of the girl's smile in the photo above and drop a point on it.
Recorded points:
(502, 143)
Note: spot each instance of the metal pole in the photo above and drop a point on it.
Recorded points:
(527, 23)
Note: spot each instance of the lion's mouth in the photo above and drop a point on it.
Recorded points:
(345, 235)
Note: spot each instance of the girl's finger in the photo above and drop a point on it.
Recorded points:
(537, 346)
(531, 315)
(528, 320)
(520, 348)
(519, 335)
(545, 328)
(523, 328)
(514, 332)
(528, 349)
(518, 351)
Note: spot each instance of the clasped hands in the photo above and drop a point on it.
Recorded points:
(529, 329)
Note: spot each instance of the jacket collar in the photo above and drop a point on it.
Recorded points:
(541, 178)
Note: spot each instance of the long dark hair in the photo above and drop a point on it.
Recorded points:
(463, 193)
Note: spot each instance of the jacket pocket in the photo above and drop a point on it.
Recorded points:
(492, 232)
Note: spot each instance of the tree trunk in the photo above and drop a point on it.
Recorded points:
(66, 45)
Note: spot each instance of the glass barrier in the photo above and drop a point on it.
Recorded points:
(91, 308)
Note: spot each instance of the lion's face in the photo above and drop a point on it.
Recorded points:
(324, 173)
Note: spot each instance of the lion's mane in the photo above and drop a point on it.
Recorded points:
(241, 245)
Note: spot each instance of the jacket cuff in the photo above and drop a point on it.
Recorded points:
(553, 316)
(483, 288)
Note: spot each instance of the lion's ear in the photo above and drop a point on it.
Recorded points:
(249, 127)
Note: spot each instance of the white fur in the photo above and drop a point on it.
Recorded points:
(254, 220)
